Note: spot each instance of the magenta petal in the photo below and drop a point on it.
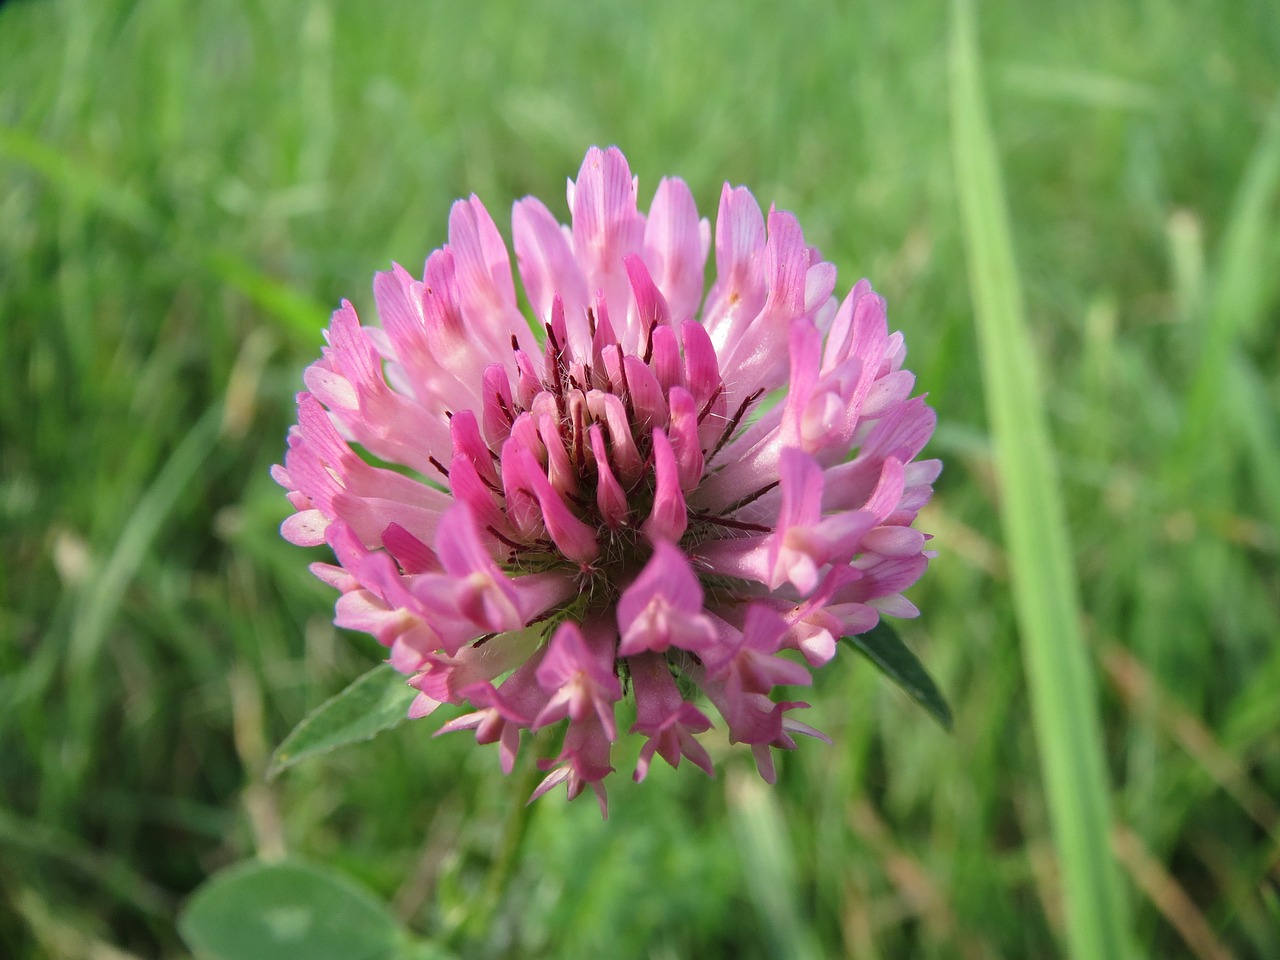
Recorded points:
(747, 666)
(664, 717)
(576, 540)
(501, 713)
(470, 489)
(884, 499)
(449, 678)
(684, 438)
(611, 501)
(610, 410)
(795, 553)
(563, 476)
(464, 432)
(459, 547)
(646, 394)
(670, 516)
(583, 762)
(410, 553)
(522, 508)
(702, 369)
(663, 607)
(580, 679)
(498, 405)
(666, 363)
(482, 591)
(651, 305)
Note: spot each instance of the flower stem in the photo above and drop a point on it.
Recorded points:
(481, 919)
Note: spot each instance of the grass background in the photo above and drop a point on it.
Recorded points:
(187, 189)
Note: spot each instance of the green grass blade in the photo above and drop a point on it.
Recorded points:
(79, 183)
(102, 599)
(1063, 694)
(769, 868)
(103, 595)
(1238, 302)
(297, 313)
(76, 181)
(1257, 423)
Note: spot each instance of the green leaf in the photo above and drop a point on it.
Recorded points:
(883, 647)
(377, 701)
(283, 911)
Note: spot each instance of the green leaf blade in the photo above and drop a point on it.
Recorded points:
(375, 702)
(1060, 679)
(885, 649)
(287, 911)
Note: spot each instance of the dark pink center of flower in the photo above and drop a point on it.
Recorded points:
(606, 443)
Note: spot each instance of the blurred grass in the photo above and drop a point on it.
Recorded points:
(186, 188)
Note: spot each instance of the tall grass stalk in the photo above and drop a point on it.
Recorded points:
(1063, 694)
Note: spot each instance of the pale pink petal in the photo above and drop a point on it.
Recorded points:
(546, 262)
(606, 227)
(675, 247)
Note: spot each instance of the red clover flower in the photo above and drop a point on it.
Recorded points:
(656, 491)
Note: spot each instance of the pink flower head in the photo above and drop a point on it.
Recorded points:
(606, 496)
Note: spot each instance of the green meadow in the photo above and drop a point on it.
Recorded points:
(1073, 211)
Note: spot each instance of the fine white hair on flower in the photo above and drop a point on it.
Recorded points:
(606, 503)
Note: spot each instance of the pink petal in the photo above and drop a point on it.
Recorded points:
(665, 364)
(305, 529)
(663, 607)
(606, 225)
(684, 437)
(611, 501)
(664, 717)
(575, 539)
(579, 676)
(738, 292)
(485, 288)
(675, 248)
(546, 262)
(670, 517)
